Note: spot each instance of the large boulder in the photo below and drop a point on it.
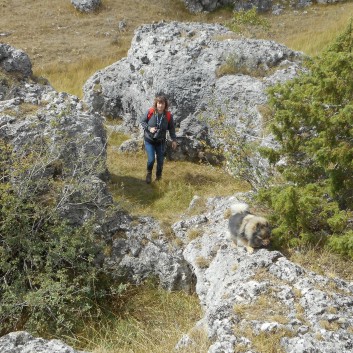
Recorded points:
(210, 5)
(71, 141)
(182, 60)
(188, 62)
(261, 295)
(140, 248)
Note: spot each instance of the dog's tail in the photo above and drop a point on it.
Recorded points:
(239, 208)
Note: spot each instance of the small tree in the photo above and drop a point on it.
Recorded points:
(313, 124)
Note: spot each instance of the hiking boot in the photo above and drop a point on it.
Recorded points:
(149, 177)
(158, 177)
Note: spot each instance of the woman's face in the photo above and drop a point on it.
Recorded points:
(160, 106)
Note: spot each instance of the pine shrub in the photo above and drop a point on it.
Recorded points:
(313, 125)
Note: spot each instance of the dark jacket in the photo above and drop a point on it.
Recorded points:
(163, 124)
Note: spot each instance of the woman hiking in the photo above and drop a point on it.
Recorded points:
(155, 124)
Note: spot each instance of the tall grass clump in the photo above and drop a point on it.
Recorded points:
(247, 21)
(149, 319)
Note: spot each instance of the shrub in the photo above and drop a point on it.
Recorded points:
(313, 127)
(248, 18)
(49, 278)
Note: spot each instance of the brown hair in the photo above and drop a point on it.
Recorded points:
(161, 99)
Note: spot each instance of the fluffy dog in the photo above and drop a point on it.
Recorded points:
(246, 229)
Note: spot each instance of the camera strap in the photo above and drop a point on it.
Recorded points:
(159, 120)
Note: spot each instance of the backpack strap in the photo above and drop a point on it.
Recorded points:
(151, 111)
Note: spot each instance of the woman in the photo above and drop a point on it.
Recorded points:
(155, 123)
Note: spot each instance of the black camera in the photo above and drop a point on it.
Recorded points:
(157, 134)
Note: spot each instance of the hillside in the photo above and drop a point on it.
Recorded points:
(269, 301)
(67, 47)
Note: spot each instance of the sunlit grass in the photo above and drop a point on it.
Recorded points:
(170, 197)
(310, 30)
(151, 320)
(70, 78)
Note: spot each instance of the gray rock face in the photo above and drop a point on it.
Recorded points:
(86, 5)
(23, 342)
(74, 141)
(245, 296)
(181, 60)
(210, 5)
(140, 249)
(15, 60)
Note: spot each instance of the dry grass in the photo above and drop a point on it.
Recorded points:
(171, 196)
(311, 29)
(323, 262)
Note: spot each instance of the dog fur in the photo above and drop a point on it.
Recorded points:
(246, 229)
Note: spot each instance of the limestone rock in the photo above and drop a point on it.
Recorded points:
(140, 249)
(23, 342)
(195, 6)
(15, 60)
(86, 5)
(246, 295)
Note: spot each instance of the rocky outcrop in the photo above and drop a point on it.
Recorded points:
(251, 300)
(261, 5)
(211, 5)
(71, 143)
(15, 61)
(23, 342)
(140, 248)
(86, 5)
(204, 72)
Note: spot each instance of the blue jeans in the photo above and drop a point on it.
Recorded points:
(155, 150)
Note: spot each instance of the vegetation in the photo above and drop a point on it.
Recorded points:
(147, 319)
(243, 20)
(49, 278)
(313, 126)
(48, 253)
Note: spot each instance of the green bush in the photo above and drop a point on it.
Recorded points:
(248, 18)
(313, 125)
(49, 279)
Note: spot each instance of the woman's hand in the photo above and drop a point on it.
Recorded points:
(174, 145)
(153, 129)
